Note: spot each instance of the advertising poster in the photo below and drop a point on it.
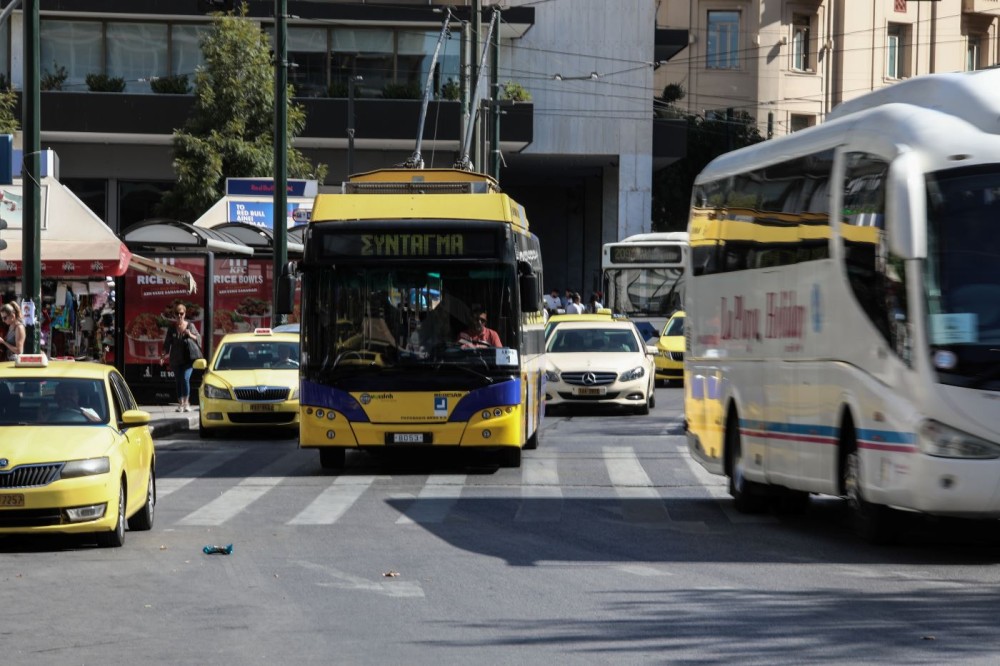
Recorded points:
(149, 303)
(243, 295)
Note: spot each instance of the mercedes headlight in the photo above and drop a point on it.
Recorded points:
(937, 439)
(552, 376)
(634, 373)
(216, 393)
(88, 467)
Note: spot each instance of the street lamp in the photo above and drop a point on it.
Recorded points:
(351, 80)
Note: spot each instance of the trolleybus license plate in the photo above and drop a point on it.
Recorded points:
(408, 438)
(12, 500)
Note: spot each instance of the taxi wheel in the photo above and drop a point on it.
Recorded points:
(143, 519)
(644, 408)
(116, 537)
(203, 432)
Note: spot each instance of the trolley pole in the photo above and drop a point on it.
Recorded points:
(280, 152)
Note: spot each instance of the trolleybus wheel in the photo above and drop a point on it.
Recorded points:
(332, 457)
(510, 456)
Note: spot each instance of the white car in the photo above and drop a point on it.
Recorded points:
(599, 363)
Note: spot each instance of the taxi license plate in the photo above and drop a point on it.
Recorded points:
(590, 390)
(407, 438)
(261, 408)
(12, 500)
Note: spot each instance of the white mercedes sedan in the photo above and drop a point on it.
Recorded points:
(599, 363)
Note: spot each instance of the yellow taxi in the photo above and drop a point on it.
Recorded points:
(670, 350)
(76, 453)
(251, 381)
(604, 314)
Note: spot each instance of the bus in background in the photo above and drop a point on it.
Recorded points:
(843, 308)
(405, 272)
(643, 278)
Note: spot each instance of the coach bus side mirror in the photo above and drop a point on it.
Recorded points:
(906, 205)
(528, 286)
(285, 290)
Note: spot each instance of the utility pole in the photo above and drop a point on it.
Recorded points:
(31, 223)
(280, 152)
(354, 78)
(477, 30)
(494, 169)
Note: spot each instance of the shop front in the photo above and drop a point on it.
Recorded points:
(80, 258)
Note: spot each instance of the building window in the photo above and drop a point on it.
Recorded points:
(723, 40)
(799, 121)
(801, 57)
(137, 52)
(185, 49)
(307, 50)
(74, 46)
(972, 62)
(895, 51)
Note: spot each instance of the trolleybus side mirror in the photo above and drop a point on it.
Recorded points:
(285, 290)
(528, 286)
(906, 205)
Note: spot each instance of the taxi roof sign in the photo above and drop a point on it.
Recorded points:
(262, 331)
(31, 361)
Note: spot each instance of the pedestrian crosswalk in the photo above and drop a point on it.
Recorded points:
(197, 488)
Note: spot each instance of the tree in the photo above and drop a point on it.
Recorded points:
(706, 140)
(230, 133)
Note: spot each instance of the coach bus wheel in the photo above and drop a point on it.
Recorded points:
(874, 523)
(332, 458)
(748, 496)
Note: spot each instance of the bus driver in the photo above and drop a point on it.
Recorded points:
(479, 334)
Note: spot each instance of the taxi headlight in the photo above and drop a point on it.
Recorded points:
(216, 393)
(937, 439)
(88, 467)
(294, 393)
(551, 376)
(634, 373)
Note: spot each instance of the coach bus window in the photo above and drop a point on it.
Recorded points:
(963, 296)
(861, 229)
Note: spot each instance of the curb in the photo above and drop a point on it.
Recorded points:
(165, 427)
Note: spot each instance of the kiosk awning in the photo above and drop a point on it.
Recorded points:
(74, 241)
(164, 272)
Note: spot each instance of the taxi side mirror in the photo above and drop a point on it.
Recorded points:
(135, 417)
(199, 364)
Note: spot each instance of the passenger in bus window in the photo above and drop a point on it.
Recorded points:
(479, 334)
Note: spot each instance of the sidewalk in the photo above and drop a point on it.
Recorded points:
(166, 420)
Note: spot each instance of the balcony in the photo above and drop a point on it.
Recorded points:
(981, 6)
(379, 123)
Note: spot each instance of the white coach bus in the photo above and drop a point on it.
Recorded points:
(843, 308)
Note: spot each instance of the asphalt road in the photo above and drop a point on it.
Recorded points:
(609, 545)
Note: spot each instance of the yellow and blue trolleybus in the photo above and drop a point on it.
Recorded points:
(422, 322)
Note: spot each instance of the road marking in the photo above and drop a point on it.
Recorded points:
(242, 495)
(435, 500)
(541, 496)
(643, 502)
(391, 587)
(333, 502)
(188, 473)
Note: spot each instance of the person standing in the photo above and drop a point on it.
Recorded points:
(14, 341)
(595, 303)
(575, 307)
(175, 348)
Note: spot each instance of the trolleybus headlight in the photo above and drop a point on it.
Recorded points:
(634, 373)
(551, 376)
(485, 414)
(937, 439)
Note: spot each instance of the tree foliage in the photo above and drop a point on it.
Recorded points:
(706, 140)
(230, 133)
(8, 102)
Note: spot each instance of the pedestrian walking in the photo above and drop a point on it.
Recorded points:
(14, 340)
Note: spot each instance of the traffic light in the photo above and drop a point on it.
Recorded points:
(3, 225)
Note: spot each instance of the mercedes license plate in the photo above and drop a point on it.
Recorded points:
(12, 500)
(590, 390)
